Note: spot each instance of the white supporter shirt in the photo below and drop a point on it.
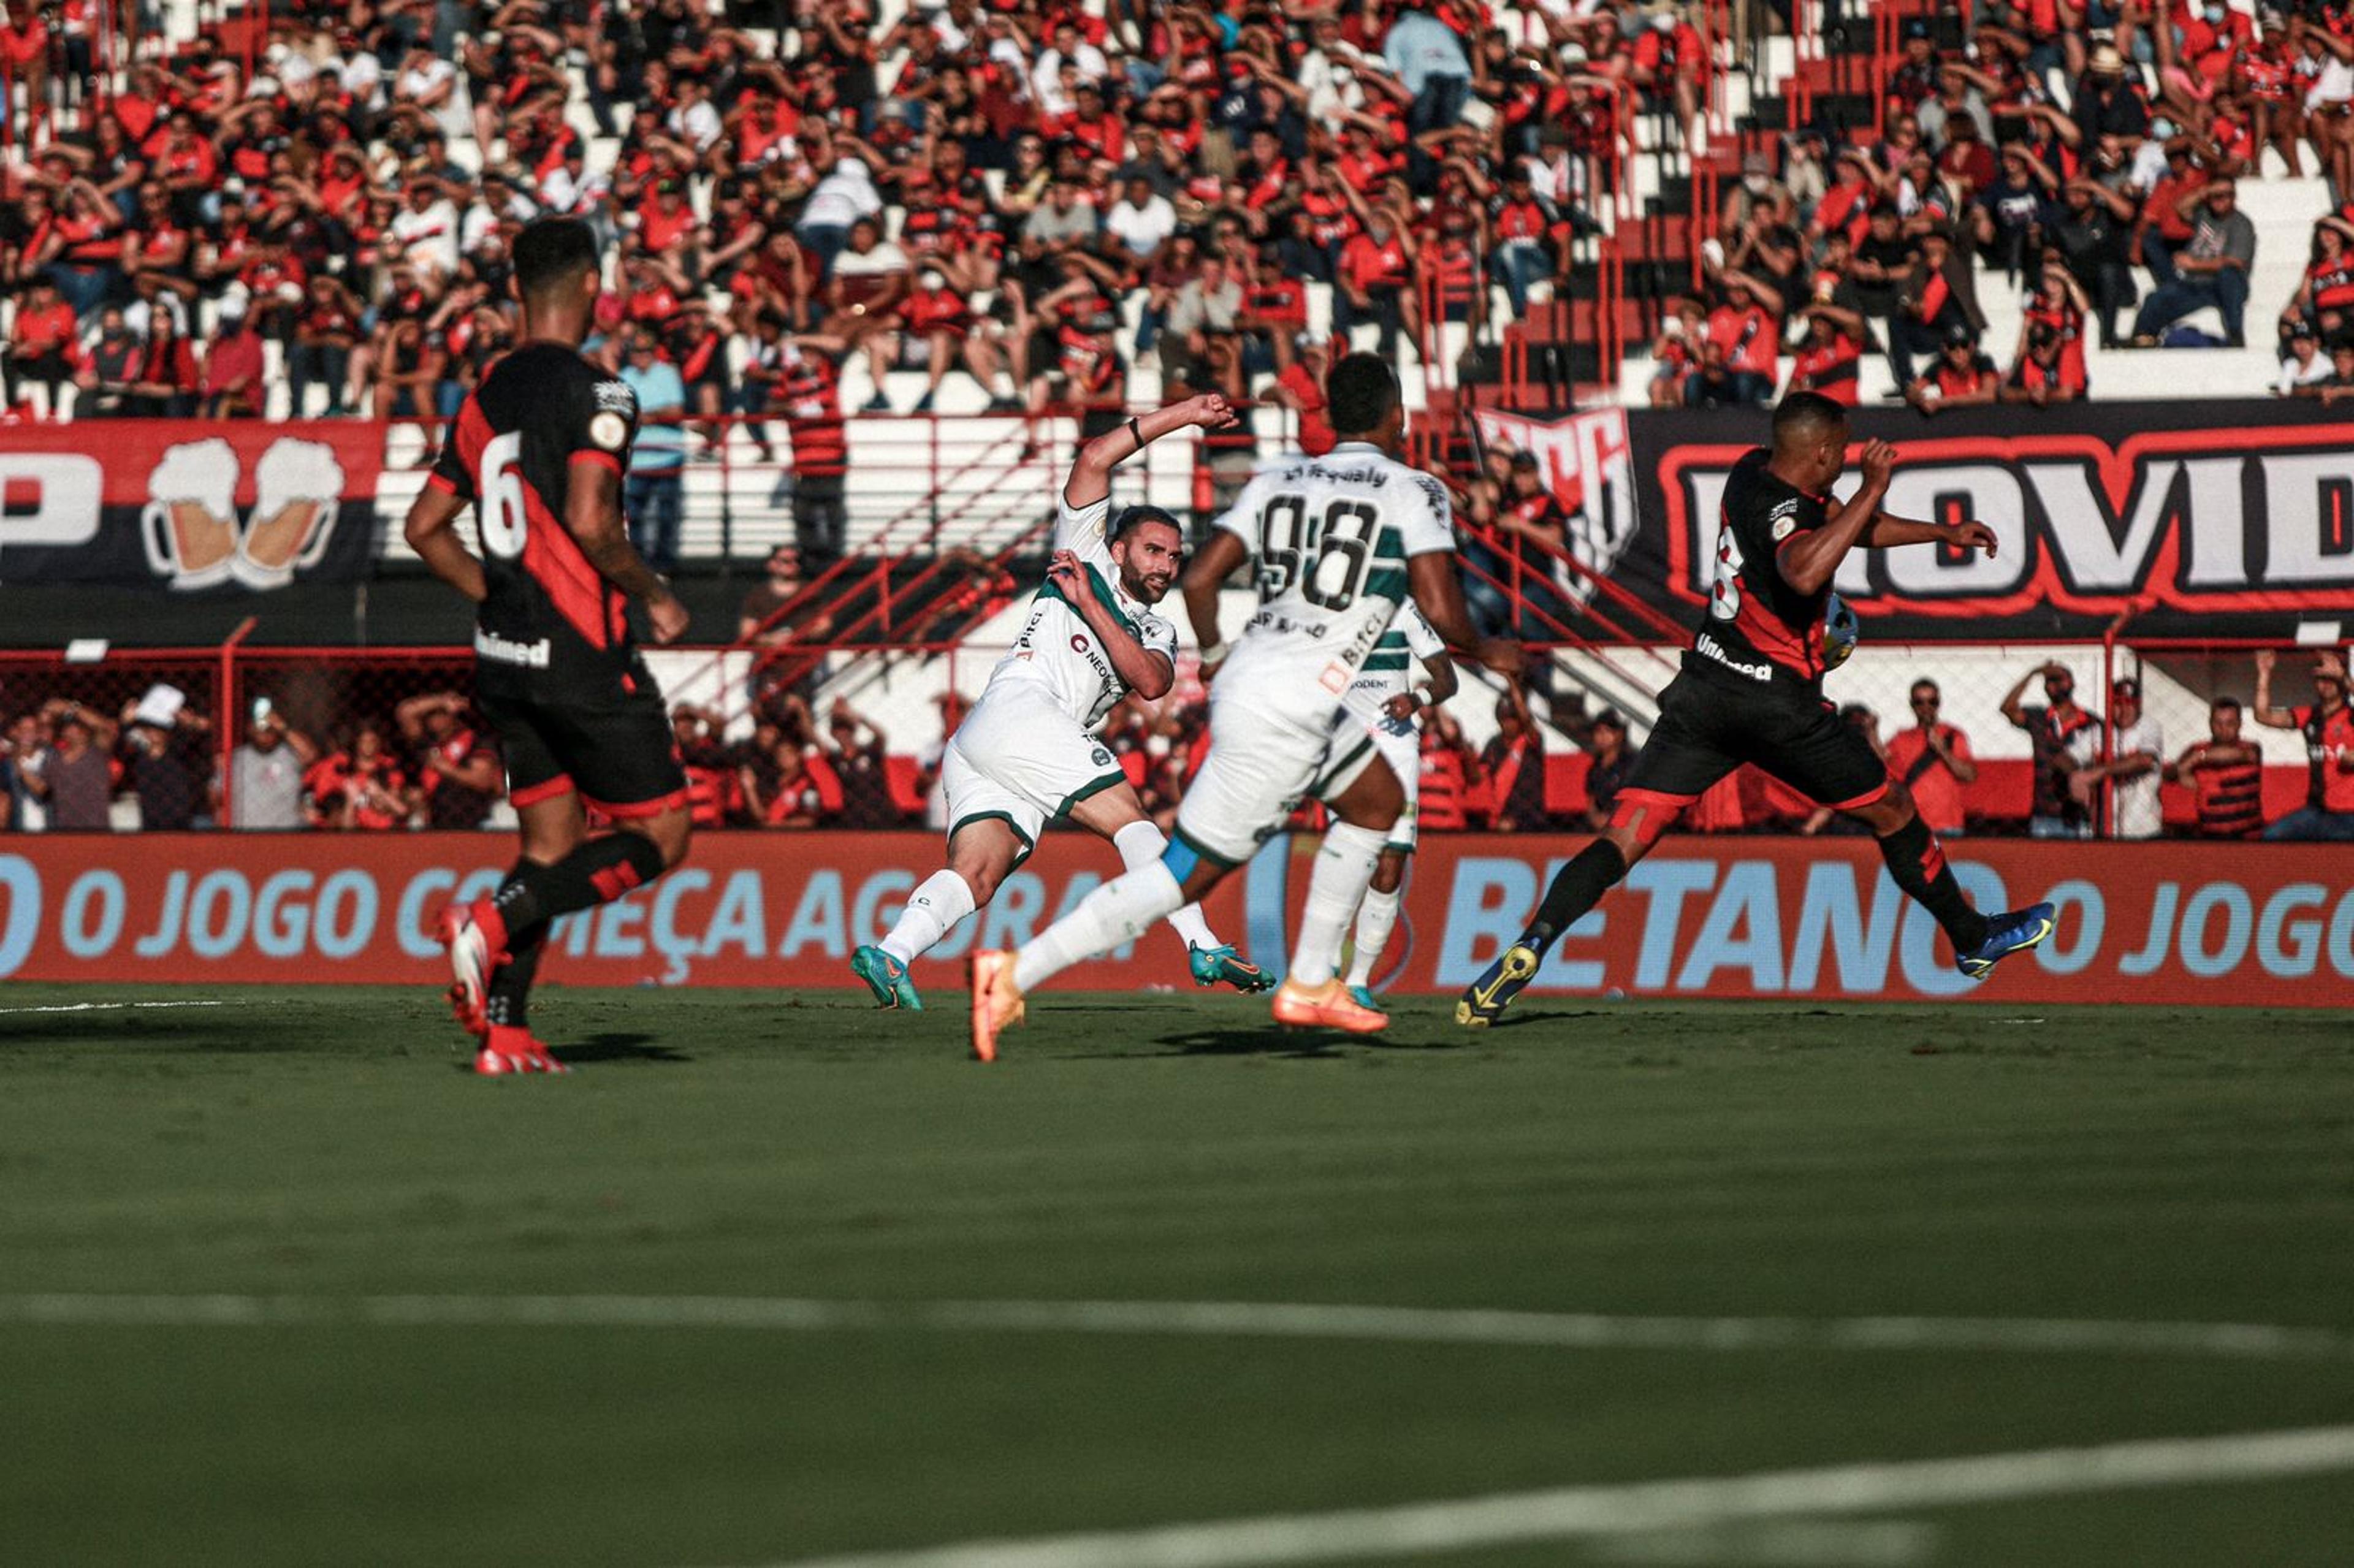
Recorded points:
(2136, 810)
(1333, 536)
(1056, 650)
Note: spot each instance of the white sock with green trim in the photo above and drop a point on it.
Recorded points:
(1376, 918)
(1344, 869)
(940, 901)
(1142, 844)
(1120, 911)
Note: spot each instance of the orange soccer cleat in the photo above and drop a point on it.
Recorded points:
(996, 1005)
(1328, 1006)
(508, 1050)
(475, 952)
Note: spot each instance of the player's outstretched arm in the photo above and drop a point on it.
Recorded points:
(1886, 531)
(1438, 594)
(592, 515)
(432, 531)
(1090, 479)
(1144, 671)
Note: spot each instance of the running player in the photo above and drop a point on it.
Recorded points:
(1342, 542)
(1028, 752)
(1390, 709)
(538, 451)
(1751, 691)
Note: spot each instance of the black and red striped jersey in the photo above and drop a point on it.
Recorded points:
(538, 414)
(1757, 627)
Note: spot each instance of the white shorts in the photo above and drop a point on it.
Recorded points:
(1258, 771)
(1400, 746)
(1019, 758)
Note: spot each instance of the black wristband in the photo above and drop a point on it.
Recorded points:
(1136, 433)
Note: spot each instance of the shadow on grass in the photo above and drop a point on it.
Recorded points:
(617, 1047)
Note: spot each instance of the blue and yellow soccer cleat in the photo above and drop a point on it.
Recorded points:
(1223, 965)
(1493, 992)
(886, 977)
(2007, 934)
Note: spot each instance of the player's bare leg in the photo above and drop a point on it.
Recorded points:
(1312, 995)
(536, 892)
(1119, 815)
(1376, 918)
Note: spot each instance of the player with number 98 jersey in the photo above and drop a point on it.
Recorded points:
(558, 672)
(1333, 535)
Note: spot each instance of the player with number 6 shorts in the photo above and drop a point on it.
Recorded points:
(538, 451)
(1028, 752)
(1342, 542)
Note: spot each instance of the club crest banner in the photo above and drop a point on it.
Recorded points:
(187, 506)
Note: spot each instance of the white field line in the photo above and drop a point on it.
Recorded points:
(1214, 1319)
(1567, 1513)
(106, 1006)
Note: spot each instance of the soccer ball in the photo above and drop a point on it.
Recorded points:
(1839, 632)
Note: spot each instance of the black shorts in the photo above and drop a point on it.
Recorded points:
(613, 748)
(1707, 728)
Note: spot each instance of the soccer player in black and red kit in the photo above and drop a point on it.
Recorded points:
(538, 451)
(1751, 691)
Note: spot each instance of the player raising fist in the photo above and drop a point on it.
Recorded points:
(1027, 752)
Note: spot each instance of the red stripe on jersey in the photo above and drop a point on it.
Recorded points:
(606, 460)
(442, 483)
(1768, 634)
(554, 559)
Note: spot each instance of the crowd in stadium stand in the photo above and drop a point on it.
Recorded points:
(157, 764)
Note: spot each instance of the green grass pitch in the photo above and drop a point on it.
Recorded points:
(323, 1149)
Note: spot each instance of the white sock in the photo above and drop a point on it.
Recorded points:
(933, 909)
(1141, 844)
(1118, 912)
(1376, 918)
(1344, 868)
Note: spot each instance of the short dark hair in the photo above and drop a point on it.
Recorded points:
(1803, 415)
(551, 250)
(1135, 517)
(2219, 704)
(1361, 390)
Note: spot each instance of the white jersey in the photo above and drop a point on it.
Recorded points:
(1057, 650)
(1389, 670)
(1333, 535)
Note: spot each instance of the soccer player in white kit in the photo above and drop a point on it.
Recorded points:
(1390, 703)
(1027, 752)
(1342, 542)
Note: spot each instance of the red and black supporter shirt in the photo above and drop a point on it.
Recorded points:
(2228, 782)
(541, 412)
(1757, 627)
(2329, 736)
(1830, 368)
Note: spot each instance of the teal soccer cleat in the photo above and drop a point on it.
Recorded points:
(886, 977)
(1214, 966)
